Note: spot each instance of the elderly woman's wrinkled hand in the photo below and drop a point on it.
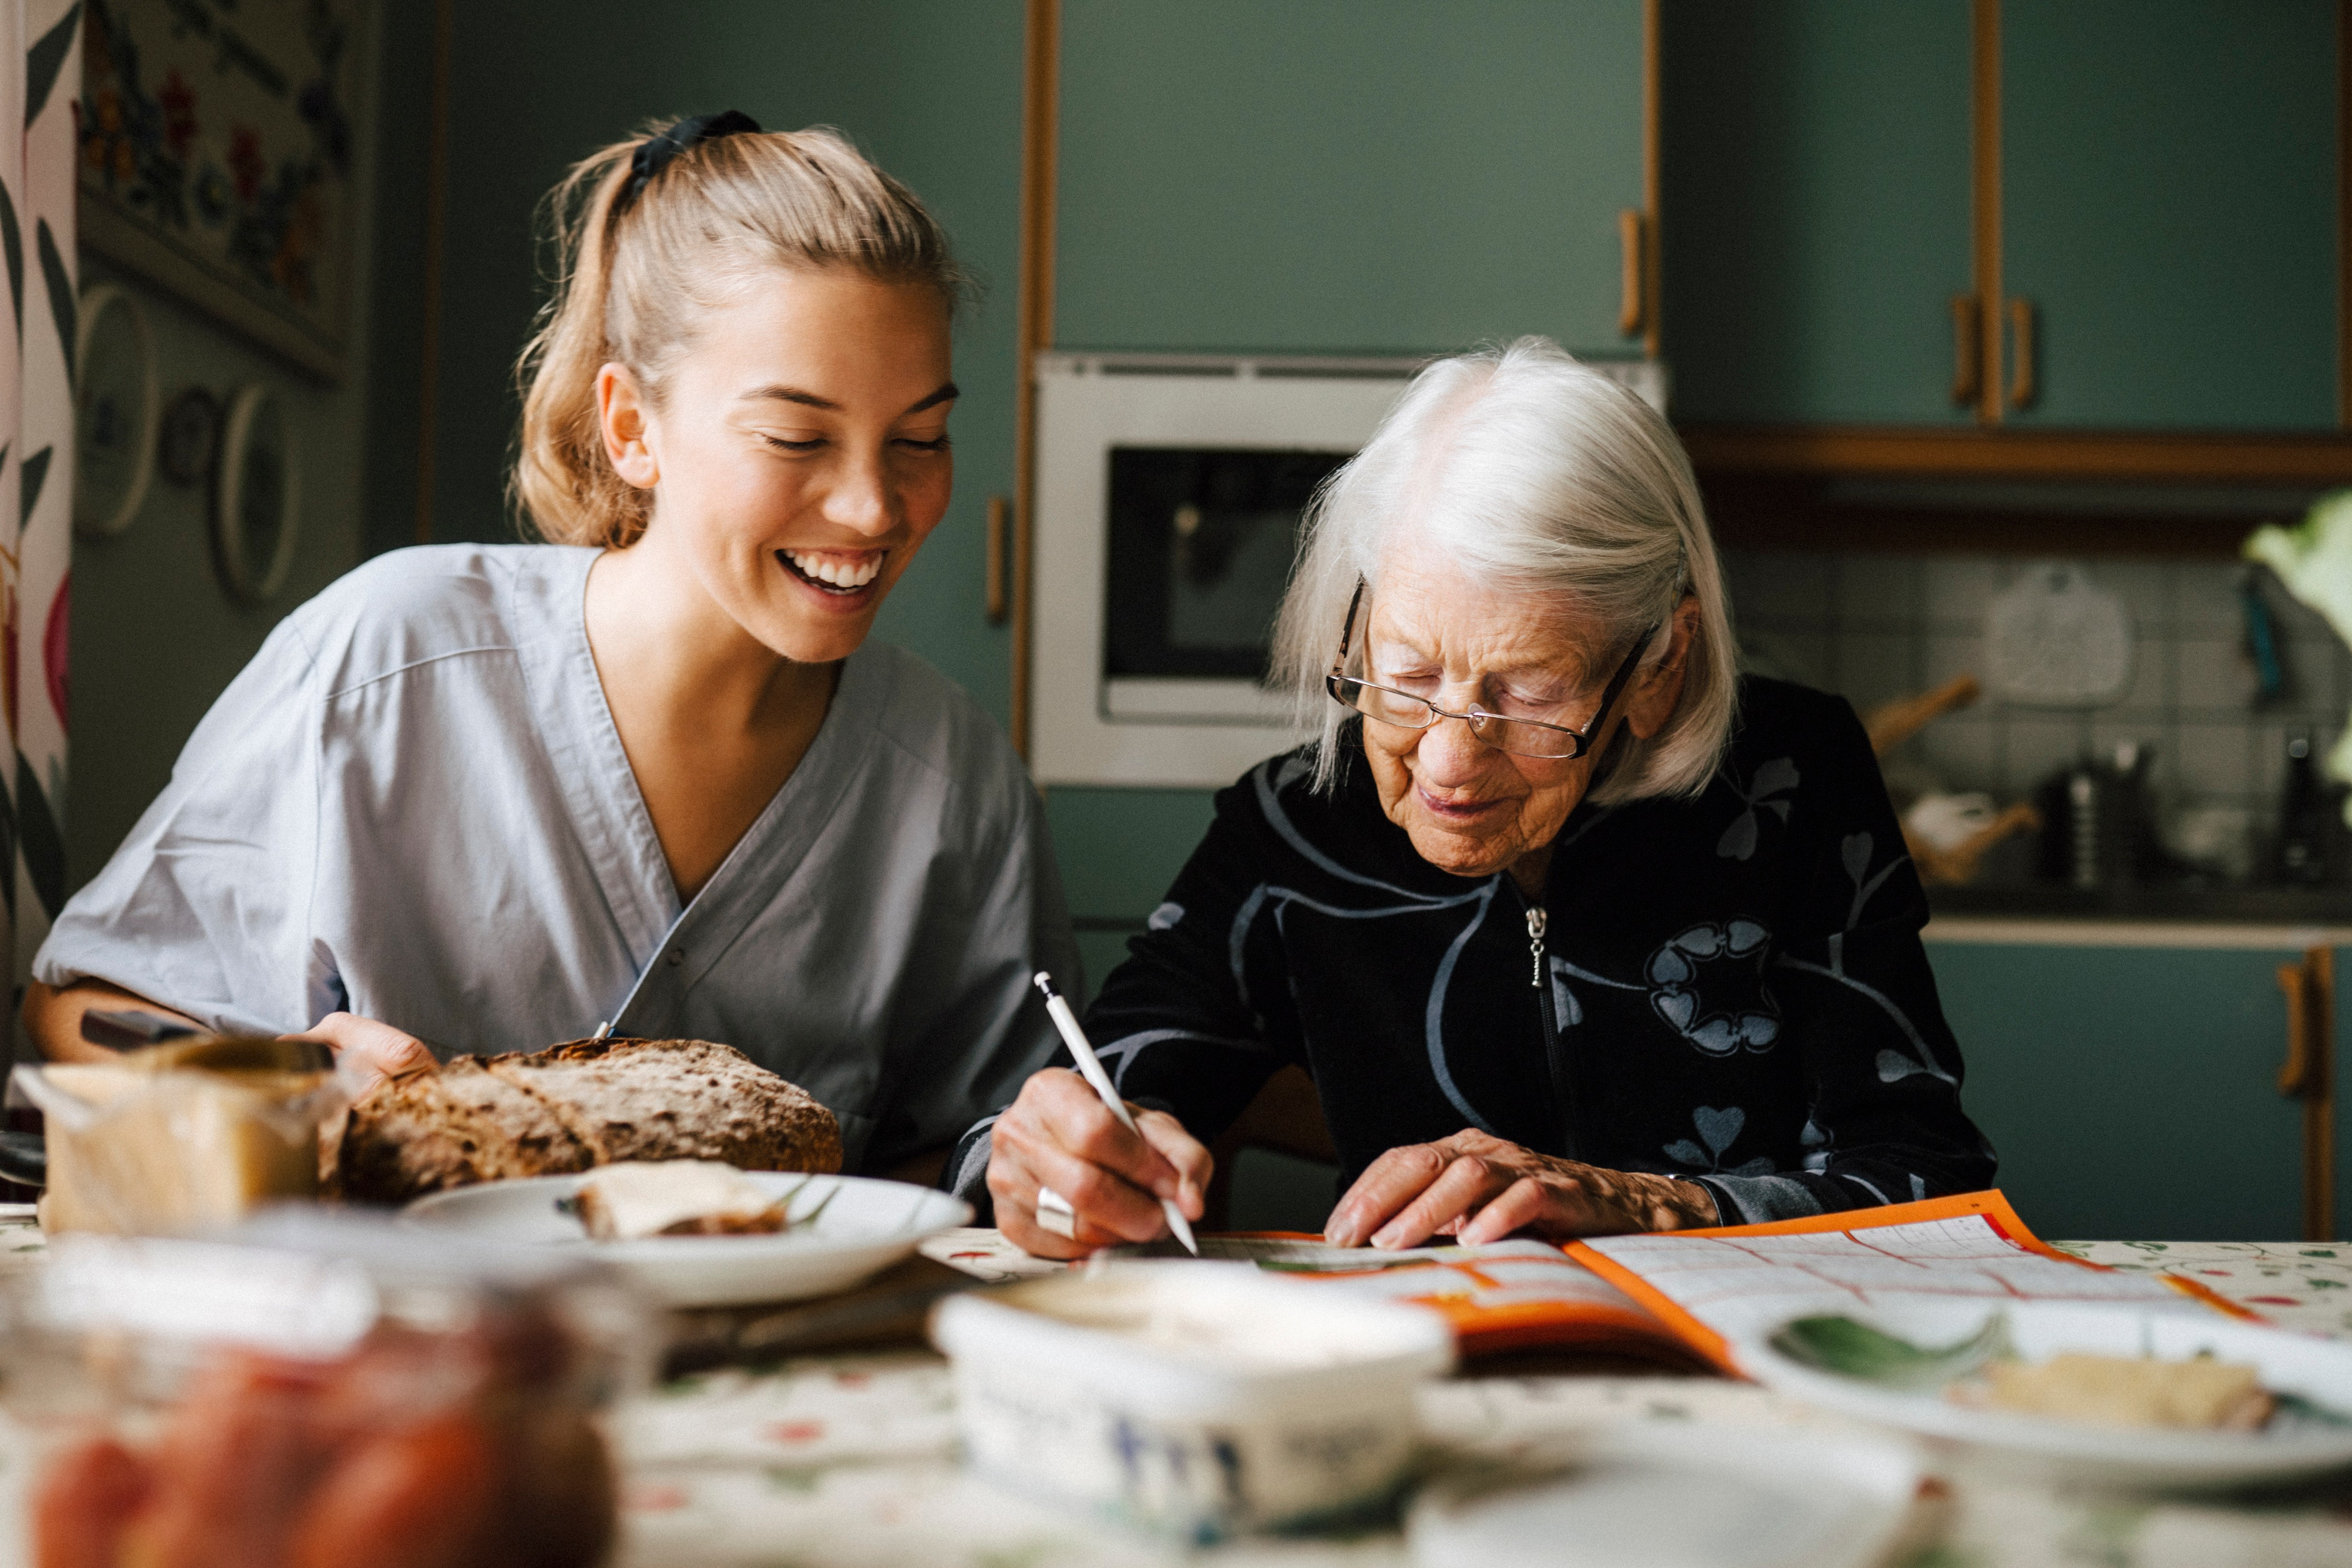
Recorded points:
(1059, 1134)
(1479, 1188)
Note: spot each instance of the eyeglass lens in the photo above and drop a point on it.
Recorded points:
(1519, 737)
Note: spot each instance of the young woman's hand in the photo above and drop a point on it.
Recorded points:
(1478, 1188)
(368, 1051)
(1059, 1134)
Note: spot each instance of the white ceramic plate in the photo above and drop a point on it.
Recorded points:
(1650, 1495)
(863, 1226)
(2319, 1370)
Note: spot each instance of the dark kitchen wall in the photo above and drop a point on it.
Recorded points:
(155, 638)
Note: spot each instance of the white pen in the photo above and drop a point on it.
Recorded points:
(1076, 1039)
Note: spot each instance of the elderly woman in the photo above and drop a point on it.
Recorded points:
(1576, 930)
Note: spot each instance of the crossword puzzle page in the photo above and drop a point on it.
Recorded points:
(1714, 1286)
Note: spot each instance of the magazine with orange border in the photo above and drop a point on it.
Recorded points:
(1513, 1296)
(1991, 1207)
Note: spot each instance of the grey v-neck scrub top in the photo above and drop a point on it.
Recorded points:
(413, 805)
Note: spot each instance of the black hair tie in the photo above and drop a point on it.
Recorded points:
(654, 154)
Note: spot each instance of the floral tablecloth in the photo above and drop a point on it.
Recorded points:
(850, 1461)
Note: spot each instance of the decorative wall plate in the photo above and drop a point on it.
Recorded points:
(116, 406)
(257, 495)
(192, 429)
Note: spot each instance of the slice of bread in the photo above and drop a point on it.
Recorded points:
(633, 1199)
(574, 1106)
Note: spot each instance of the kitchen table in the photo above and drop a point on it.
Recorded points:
(850, 1460)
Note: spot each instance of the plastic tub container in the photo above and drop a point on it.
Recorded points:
(1193, 1400)
(179, 1136)
(311, 1390)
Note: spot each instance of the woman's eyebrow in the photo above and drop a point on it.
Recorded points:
(1390, 649)
(947, 393)
(789, 394)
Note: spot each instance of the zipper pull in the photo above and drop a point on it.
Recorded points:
(1536, 921)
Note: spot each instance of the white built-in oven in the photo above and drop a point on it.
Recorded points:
(1170, 495)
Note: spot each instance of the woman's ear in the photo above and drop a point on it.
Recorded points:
(1657, 690)
(622, 414)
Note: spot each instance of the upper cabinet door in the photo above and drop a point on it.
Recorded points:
(1345, 176)
(1815, 208)
(2169, 211)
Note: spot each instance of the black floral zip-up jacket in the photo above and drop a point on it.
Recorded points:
(1731, 988)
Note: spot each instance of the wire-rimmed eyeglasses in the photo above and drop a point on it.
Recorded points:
(1518, 737)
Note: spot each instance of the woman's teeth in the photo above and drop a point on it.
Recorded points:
(843, 574)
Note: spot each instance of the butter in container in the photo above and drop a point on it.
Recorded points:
(1192, 1400)
(315, 1390)
(180, 1135)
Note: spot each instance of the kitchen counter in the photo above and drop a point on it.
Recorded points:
(2286, 919)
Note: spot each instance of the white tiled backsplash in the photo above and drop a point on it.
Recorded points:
(1874, 627)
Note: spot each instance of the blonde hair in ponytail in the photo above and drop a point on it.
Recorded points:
(631, 288)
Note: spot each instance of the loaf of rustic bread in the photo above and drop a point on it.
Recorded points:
(576, 1105)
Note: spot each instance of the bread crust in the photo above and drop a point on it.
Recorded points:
(575, 1105)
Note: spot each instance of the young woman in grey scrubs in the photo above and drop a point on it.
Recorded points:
(649, 774)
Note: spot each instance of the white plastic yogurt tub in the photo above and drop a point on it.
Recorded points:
(1194, 1400)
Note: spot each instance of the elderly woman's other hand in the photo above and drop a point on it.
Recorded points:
(1059, 1134)
(1478, 1188)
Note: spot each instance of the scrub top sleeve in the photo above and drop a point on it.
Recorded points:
(996, 1031)
(205, 907)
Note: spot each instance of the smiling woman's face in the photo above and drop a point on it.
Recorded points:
(1438, 634)
(800, 457)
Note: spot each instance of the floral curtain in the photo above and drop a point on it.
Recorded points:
(41, 89)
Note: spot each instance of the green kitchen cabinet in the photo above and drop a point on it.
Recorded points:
(1814, 222)
(2168, 215)
(2131, 1091)
(1345, 176)
(2168, 210)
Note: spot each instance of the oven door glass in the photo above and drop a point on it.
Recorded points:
(1201, 541)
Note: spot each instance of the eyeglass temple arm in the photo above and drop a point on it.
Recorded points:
(1624, 673)
(1348, 627)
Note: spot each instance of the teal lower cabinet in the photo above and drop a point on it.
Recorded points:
(2132, 1090)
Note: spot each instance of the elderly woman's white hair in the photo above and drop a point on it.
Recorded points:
(1533, 470)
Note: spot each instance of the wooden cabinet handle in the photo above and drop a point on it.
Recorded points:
(2295, 1074)
(2308, 1076)
(996, 598)
(2310, 989)
(1631, 306)
(2023, 388)
(1967, 351)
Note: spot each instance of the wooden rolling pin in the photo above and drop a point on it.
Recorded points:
(1892, 723)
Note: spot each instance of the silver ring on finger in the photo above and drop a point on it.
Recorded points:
(1055, 1214)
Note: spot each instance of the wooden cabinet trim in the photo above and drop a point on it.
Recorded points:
(1930, 452)
(1984, 201)
(2344, 213)
(1034, 329)
(1652, 267)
